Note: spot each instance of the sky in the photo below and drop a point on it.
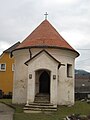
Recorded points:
(71, 18)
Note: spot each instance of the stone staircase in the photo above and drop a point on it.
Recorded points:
(42, 98)
(41, 104)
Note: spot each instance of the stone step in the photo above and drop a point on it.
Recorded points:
(41, 104)
(42, 95)
(35, 110)
(47, 99)
(42, 98)
(42, 101)
(39, 107)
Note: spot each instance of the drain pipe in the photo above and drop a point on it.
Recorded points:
(30, 53)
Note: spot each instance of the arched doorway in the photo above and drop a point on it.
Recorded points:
(44, 82)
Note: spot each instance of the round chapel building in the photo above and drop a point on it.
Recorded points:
(44, 66)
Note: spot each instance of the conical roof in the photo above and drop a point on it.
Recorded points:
(45, 35)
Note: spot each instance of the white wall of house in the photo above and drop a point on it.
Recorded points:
(42, 62)
(20, 76)
(64, 92)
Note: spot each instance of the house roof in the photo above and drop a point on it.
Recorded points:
(82, 83)
(45, 35)
(59, 63)
(10, 49)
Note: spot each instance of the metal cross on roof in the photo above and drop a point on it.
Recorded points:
(46, 14)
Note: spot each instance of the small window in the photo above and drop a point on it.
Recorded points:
(3, 67)
(13, 67)
(69, 70)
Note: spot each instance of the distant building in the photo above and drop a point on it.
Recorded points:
(6, 70)
(82, 86)
(44, 64)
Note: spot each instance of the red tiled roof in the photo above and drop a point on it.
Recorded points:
(13, 47)
(45, 35)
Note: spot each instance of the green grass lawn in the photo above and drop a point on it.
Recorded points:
(7, 101)
(80, 107)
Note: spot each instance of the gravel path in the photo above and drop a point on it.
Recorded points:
(6, 112)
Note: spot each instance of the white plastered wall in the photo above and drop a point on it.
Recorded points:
(41, 62)
(65, 85)
(20, 76)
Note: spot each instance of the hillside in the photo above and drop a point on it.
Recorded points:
(82, 73)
